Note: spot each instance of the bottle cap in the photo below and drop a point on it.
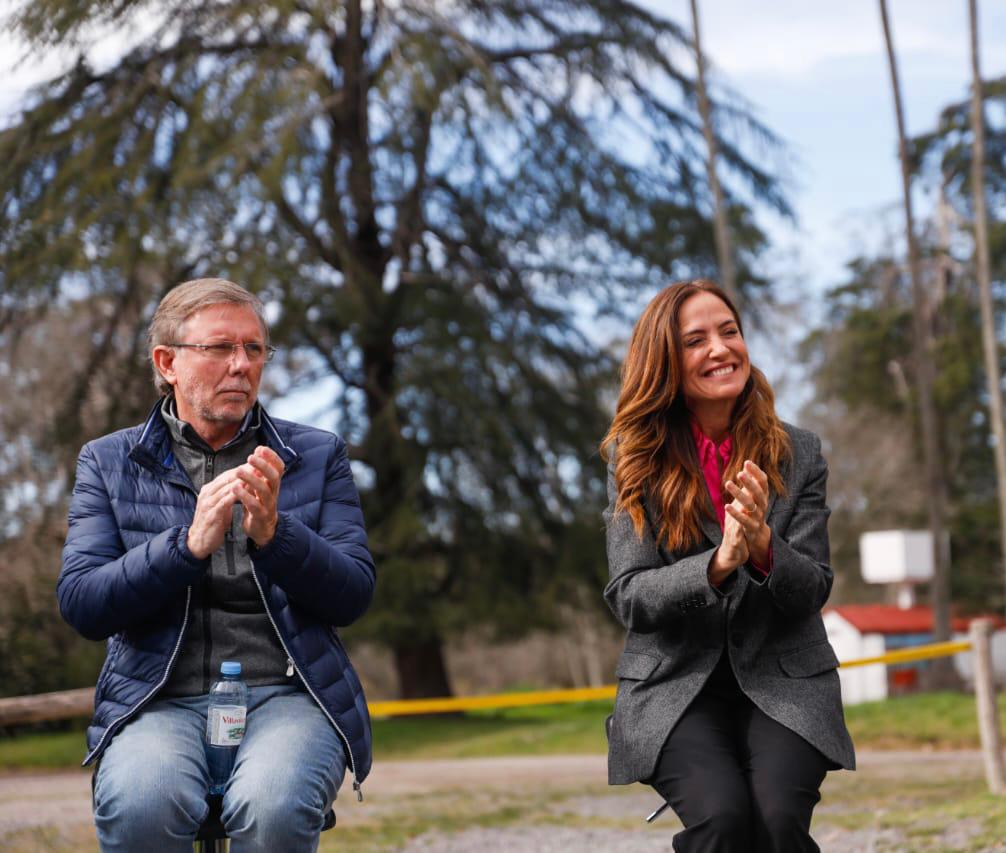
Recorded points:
(230, 667)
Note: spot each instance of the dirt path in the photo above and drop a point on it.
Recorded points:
(566, 805)
(37, 799)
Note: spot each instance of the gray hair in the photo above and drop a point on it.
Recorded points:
(186, 299)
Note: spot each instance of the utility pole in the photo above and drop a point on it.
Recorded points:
(925, 376)
(990, 345)
(721, 231)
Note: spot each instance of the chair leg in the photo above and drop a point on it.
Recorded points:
(217, 845)
(657, 812)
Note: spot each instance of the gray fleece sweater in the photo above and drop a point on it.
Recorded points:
(227, 620)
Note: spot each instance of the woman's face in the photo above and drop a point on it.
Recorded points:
(715, 364)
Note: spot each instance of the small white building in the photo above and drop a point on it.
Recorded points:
(861, 683)
(870, 630)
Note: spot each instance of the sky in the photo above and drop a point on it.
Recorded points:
(816, 73)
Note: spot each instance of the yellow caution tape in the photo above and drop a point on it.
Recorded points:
(933, 650)
(494, 701)
(448, 705)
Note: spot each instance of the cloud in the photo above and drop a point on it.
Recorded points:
(791, 37)
(22, 68)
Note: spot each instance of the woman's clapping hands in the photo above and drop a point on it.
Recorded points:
(746, 536)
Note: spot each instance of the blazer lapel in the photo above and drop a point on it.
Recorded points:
(771, 503)
(711, 526)
(651, 524)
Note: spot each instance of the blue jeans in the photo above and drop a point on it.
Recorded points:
(150, 786)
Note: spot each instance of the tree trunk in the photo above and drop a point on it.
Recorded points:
(990, 345)
(925, 374)
(421, 669)
(419, 663)
(724, 250)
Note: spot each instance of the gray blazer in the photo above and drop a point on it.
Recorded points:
(677, 624)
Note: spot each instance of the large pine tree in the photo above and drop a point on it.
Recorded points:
(439, 198)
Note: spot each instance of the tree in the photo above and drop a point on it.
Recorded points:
(922, 335)
(947, 156)
(722, 233)
(47, 412)
(436, 201)
(990, 341)
(865, 408)
(865, 401)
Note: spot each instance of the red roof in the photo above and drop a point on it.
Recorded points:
(888, 619)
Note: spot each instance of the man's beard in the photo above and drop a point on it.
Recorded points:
(211, 416)
(222, 413)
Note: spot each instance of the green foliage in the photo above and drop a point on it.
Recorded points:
(863, 373)
(437, 200)
(852, 365)
(862, 365)
(38, 651)
(946, 151)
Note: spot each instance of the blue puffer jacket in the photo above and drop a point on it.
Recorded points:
(127, 573)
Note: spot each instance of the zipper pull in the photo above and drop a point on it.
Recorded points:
(289, 667)
(359, 791)
(232, 568)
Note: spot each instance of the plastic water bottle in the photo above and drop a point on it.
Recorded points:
(225, 723)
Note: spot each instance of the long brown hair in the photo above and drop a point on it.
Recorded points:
(650, 436)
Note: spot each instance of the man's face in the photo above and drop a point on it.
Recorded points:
(215, 394)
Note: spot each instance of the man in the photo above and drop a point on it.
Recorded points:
(213, 532)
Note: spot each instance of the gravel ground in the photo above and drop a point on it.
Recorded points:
(556, 803)
(551, 839)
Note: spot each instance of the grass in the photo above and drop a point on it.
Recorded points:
(921, 721)
(928, 809)
(536, 730)
(43, 751)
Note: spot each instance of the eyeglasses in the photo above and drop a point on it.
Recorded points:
(225, 350)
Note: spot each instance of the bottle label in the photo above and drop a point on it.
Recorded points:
(225, 725)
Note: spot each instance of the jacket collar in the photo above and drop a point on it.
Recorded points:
(153, 448)
(184, 433)
(711, 525)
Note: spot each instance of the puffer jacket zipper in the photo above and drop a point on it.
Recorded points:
(229, 542)
(357, 785)
(114, 725)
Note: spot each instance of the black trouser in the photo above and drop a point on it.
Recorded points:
(738, 780)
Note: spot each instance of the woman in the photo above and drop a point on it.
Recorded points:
(728, 696)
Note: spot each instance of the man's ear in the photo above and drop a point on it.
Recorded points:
(164, 362)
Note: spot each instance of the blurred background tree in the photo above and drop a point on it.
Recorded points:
(864, 377)
(441, 204)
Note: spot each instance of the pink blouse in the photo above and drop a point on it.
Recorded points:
(714, 458)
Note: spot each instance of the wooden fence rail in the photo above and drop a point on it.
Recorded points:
(63, 705)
